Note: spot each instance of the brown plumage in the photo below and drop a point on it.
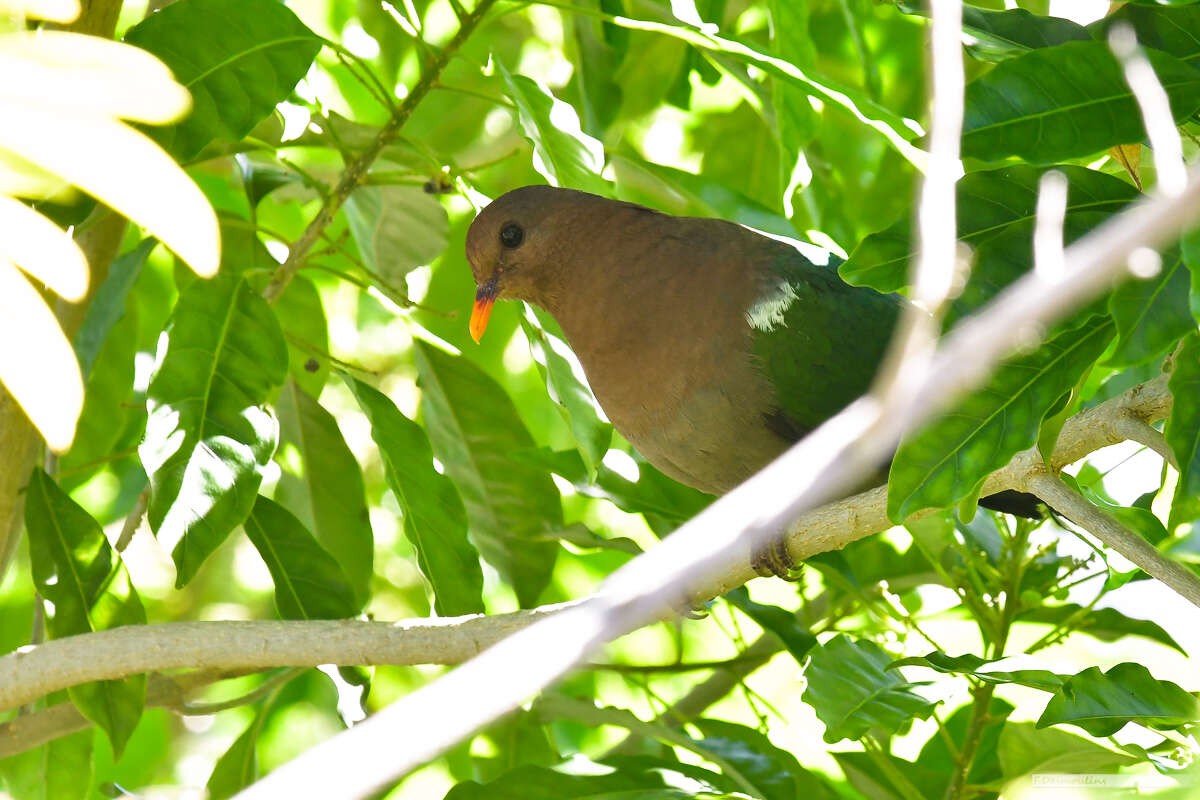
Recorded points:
(710, 347)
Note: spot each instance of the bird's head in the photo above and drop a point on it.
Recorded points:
(518, 245)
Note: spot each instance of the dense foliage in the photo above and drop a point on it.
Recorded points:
(322, 439)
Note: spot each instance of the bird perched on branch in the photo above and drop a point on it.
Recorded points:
(711, 348)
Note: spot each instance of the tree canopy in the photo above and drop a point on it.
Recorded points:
(257, 482)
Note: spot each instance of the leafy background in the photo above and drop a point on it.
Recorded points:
(346, 449)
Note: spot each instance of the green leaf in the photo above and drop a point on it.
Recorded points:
(853, 691)
(108, 305)
(322, 484)
(684, 194)
(1183, 432)
(109, 411)
(237, 767)
(1172, 30)
(396, 228)
(1102, 703)
(568, 388)
(795, 637)
(302, 317)
(1002, 259)
(988, 202)
(968, 664)
(1025, 748)
(795, 118)
(944, 461)
(1064, 102)
(209, 435)
(238, 58)
(1190, 245)
(434, 518)
(627, 783)
(309, 584)
(562, 153)
(871, 114)
(1000, 35)
(1151, 314)
(512, 507)
(75, 569)
(652, 493)
(1105, 624)
(774, 773)
(937, 755)
(60, 769)
(889, 776)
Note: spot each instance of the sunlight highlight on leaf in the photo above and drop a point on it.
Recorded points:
(43, 250)
(52, 10)
(94, 153)
(41, 374)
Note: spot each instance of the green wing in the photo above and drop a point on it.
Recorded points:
(818, 339)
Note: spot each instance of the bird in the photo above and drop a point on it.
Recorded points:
(711, 348)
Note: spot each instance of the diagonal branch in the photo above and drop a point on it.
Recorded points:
(1066, 501)
(356, 171)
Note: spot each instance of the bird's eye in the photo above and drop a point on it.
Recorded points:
(511, 235)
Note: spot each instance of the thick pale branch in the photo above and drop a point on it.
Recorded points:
(33, 672)
(37, 671)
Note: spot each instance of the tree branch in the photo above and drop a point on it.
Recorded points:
(828, 461)
(356, 171)
(1051, 488)
(32, 672)
(239, 646)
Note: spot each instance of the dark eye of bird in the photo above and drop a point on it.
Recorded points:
(511, 235)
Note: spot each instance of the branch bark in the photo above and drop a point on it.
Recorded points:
(34, 672)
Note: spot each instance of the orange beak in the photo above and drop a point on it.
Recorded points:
(485, 298)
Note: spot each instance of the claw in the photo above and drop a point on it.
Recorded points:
(773, 558)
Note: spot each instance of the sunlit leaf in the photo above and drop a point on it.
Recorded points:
(397, 228)
(309, 584)
(1065, 102)
(91, 76)
(512, 507)
(76, 570)
(209, 436)
(94, 153)
(562, 152)
(50, 10)
(568, 388)
(946, 459)
(1103, 702)
(1183, 431)
(435, 521)
(42, 375)
(42, 250)
(853, 691)
(238, 58)
(323, 485)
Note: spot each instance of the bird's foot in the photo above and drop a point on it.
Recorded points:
(773, 558)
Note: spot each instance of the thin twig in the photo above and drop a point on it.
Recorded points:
(1076, 508)
(356, 170)
(1138, 430)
